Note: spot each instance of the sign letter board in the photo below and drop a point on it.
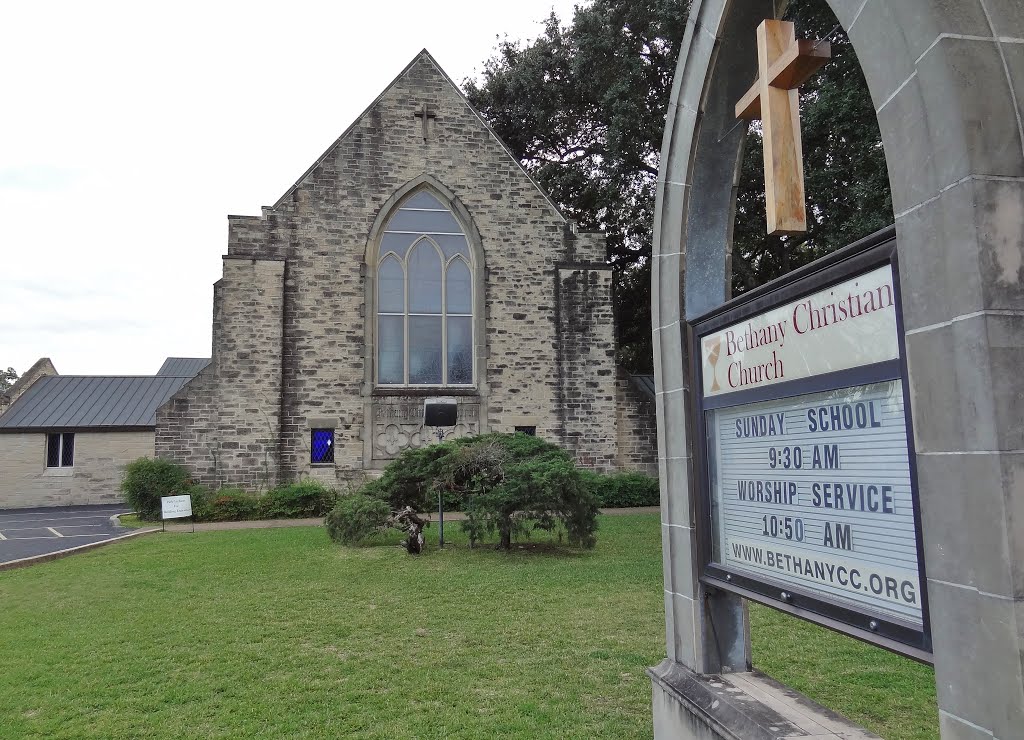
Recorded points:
(809, 489)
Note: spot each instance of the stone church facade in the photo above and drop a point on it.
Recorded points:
(415, 259)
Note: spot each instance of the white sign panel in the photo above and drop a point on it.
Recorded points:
(815, 492)
(848, 325)
(175, 507)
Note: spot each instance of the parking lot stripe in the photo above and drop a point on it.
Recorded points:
(31, 529)
(2, 536)
(19, 539)
(55, 531)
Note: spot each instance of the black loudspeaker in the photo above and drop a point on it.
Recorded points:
(440, 412)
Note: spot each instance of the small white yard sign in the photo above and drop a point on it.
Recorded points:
(175, 507)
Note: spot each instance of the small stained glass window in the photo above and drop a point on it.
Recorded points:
(322, 447)
(528, 431)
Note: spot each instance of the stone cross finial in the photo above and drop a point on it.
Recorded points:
(425, 113)
(783, 64)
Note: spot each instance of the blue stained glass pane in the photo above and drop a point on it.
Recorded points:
(323, 446)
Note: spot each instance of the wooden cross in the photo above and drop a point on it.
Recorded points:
(426, 114)
(783, 64)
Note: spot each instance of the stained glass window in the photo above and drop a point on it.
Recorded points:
(424, 297)
(322, 446)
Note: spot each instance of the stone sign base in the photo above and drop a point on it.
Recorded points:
(738, 706)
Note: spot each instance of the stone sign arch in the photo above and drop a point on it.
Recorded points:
(947, 82)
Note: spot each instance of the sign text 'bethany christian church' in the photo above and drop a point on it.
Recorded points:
(800, 340)
(813, 490)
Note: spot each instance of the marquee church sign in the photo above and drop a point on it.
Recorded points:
(811, 500)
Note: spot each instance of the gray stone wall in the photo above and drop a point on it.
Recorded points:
(586, 332)
(224, 424)
(293, 339)
(636, 427)
(95, 477)
(248, 367)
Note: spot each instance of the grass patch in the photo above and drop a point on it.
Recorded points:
(890, 695)
(132, 521)
(280, 633)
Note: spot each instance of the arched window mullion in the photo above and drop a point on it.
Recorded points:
(444, 321)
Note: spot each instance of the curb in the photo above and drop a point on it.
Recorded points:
(46, 557)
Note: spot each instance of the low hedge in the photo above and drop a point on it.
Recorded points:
(302, 500)
(622, 490)
(147, 480)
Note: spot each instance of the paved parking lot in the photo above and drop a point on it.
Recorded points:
(28, 532)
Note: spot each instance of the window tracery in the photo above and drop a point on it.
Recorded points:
(424, 297)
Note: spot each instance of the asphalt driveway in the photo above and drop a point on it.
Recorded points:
(28, 532)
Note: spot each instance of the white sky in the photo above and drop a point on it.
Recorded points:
(129, 131)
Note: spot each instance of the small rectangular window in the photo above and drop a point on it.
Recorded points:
(60, 450)
(322, 446)
(528, 431)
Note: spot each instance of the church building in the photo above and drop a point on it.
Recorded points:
(415, 259)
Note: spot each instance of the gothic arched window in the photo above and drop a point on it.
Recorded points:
(424, 297)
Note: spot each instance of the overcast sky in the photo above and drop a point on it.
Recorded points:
(129, 132)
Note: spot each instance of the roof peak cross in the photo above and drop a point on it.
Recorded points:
(784, 63)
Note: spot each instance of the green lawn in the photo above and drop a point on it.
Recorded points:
(280, 633)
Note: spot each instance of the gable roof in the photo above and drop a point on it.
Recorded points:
(423, 56)
(83, 402)
(183, 366)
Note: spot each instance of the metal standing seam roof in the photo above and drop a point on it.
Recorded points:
(182, 367)
(90, 402)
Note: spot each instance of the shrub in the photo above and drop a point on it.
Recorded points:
(408, 480)
(146, 480)
(201, 502)
(307, 498)
(506, 483)
(622, 490)
(356, 518)
(231, 505)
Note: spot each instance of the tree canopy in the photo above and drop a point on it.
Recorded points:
(583, 107)
(8, 378)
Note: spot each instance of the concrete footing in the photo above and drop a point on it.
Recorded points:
(738, 706)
